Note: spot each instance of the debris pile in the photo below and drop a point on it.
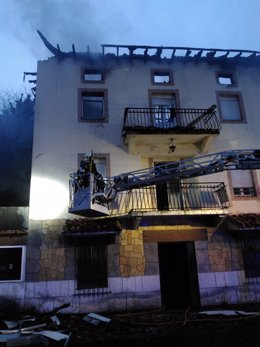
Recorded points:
(39, 330)
(218, 327)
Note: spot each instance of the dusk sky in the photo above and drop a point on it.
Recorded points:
(184, 23)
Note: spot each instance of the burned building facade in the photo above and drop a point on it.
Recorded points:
(182, 243)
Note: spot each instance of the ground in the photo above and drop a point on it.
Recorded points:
(159, 327)
(168, 328)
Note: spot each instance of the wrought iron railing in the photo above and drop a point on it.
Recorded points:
(184, 196)
(176, 119)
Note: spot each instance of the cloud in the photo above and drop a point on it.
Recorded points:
(62, 21)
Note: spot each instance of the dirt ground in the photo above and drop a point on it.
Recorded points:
(168, 328)
(159, 328)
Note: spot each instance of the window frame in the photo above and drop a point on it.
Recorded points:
(91, 69)
(242, 112)
(162, 71)
(92, 92)
(105, 156)
(170, 92)
(161, 118)
(244, 197)
(23, 261)
(226, 74)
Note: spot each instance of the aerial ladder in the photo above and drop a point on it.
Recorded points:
(96, 197)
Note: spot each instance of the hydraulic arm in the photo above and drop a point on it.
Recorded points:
(200, 166)
(91, 194)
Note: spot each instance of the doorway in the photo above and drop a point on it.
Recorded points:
(178, 275)
(168, 194)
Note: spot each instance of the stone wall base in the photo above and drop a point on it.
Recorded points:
(227, 287)
(122, 294)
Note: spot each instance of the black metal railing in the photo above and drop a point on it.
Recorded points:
(184, 196)
(165, 118)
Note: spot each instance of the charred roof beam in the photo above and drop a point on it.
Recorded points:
(55, 51)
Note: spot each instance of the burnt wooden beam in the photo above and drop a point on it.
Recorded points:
(55, 51)
(211, 54)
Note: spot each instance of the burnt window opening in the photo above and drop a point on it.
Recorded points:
(93, 106)
(251, 258)
(92, 266)
(162, 77)
(93, 75)
(11, 263)
(226, 79)
(231, 108)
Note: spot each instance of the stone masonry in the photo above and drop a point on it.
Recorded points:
(132, 262)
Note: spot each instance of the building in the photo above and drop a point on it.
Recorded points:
(177, 244)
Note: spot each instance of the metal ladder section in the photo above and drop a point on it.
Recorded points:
(248, 159)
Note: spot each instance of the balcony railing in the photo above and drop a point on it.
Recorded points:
(172, 197)
(182, 120)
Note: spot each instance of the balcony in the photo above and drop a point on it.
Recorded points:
(152, 129)
(184, 198)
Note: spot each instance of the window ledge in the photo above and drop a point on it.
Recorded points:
(239, 198)
(13, 232)
(93, 291)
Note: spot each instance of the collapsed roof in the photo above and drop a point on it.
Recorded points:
(160, 53)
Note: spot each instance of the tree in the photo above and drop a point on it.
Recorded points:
(16, 130)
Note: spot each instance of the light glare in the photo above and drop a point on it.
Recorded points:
(48, 199)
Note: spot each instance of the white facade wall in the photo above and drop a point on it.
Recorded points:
(59, 137)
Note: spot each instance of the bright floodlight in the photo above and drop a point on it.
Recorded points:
(48, 199)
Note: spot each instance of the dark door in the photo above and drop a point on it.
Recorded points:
(163, 193)
(178, 275)
(162, 197)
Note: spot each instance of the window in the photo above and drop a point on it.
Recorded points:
(92, 266)
(163, 104)
(242, 183)
(12, 263)
(251, 258)
(162, 76)
(226, 79)
(102, 161)
(93, 105)
(230, 107)
(93, 75)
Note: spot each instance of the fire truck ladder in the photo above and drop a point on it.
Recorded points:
(91, 201)
(248, 159)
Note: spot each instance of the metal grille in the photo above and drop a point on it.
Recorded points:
(91, 266)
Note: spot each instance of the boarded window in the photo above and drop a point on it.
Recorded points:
(92, 266)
